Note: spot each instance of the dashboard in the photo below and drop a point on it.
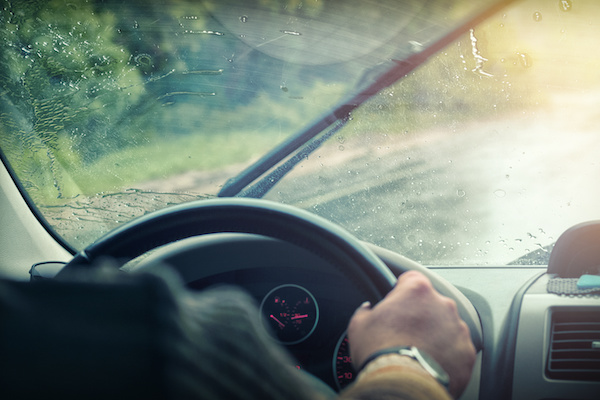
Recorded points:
(306, 302)
(509, 308)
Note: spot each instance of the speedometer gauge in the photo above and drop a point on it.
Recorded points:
(290, 313)
(343, 371)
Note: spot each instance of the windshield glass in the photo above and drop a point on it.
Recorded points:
(484, 153)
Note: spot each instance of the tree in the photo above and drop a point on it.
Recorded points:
(64, 80)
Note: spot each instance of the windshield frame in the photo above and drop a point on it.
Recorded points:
(302, 144)
(35, 211)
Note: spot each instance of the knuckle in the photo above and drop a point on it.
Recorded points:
(450, 305)
(418, 282)
(464, 329)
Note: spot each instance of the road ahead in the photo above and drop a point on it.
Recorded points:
(486, 194)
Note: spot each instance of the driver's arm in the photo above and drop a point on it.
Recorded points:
(412, 314)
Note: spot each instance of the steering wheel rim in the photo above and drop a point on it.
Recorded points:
(242, 215)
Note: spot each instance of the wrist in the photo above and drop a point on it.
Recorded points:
(406, 356)
(398, 377)
(389, 361)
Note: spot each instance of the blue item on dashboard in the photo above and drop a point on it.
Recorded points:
(588, 282)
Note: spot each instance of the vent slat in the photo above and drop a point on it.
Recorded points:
(577, 335)
(572, 344)
(575, 366)
(578, 354)
(573, 353)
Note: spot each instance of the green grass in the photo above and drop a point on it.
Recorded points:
(164, 158)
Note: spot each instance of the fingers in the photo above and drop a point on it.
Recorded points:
(364, 307)
(414, 314)
(413, 282)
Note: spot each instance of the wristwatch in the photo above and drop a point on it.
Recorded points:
(426, 361)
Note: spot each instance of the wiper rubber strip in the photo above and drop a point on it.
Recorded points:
(260, 188)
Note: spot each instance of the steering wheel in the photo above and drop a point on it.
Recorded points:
(248, 216)
(255, 221)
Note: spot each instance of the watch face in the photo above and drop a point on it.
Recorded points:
(431, 366)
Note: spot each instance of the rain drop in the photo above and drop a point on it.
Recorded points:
(292, 33)
(244, 18)
(537, 16)
(524, 59)
(565, 5)
(499, 193)
(143, 59)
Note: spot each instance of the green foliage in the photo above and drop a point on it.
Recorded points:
(62, 77)
(90, 87)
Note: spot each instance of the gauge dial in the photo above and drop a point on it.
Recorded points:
(343, 371)
(290, 313)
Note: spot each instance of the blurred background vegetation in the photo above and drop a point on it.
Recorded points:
(95, 100)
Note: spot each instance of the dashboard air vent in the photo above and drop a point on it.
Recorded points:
(574, 352)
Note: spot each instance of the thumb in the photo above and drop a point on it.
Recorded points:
(360, 313)
(366, 306)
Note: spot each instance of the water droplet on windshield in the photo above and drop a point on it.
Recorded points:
(565, 5)
(244, 18)
(479, 59)
(460, 193)
(204, 32)
(524, 59)
(415, 46)
(143, 60)
(537, 16)
(499, 193)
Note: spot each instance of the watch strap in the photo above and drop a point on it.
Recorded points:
(424, 360)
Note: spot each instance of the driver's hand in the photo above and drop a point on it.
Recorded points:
(415, 314)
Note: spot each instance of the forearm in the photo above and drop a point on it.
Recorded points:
(395, 378)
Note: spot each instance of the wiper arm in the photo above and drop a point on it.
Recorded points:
(235, 185)
(342, 111)
(260, 188)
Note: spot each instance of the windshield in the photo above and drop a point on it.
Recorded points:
(482, 154)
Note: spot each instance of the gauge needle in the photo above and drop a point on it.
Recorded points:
(298, 316)
(281, 325)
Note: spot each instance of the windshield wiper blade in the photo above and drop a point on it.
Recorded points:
(260, 188)
(235, 185)
(342, 111)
